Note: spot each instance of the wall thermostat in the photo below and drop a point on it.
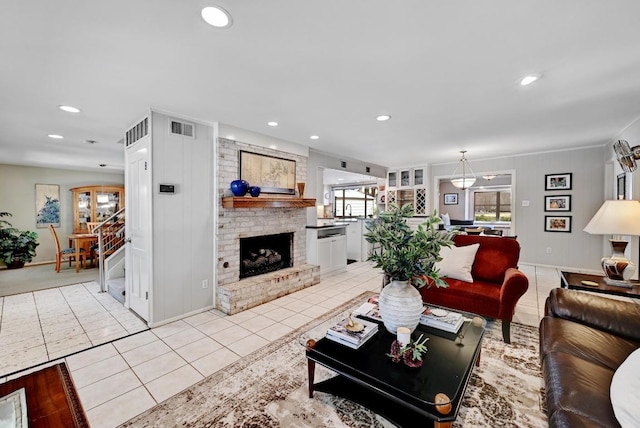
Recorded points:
(167, 188)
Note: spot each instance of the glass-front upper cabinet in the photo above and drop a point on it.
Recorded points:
(95, 204)
(418, 177)
(405, 178)
(392, 179)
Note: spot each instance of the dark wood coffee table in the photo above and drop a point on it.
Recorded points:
(573, 281)
(428, 396)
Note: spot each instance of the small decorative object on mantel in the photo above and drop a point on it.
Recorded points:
(254, 191)
(411, 354)
(239, 187)
(300, 190)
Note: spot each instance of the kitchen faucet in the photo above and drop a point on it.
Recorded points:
(345, 209)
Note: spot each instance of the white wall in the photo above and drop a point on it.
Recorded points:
(457, 211)
(577, 249)
(17, 196)
(183, 236)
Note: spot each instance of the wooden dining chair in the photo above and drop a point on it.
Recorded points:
(93, 250)
(91, 225)
(64, 253)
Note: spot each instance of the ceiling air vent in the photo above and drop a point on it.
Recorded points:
(181, 128)
(137, 131)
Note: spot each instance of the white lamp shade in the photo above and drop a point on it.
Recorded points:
(618, 217)
(463, 183)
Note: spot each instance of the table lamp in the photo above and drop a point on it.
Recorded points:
(617, 218)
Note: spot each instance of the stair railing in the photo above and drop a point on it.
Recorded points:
(111, 235)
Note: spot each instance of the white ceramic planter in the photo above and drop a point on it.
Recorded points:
(400, 306)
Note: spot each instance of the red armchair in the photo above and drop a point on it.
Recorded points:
(497, 283)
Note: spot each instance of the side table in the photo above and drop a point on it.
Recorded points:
(573, 281)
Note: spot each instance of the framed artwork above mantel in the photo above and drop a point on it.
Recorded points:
(272, 174)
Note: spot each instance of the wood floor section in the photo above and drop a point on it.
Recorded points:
(52, 400)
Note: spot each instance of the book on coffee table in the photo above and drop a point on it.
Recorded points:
(354, 339)
(442, 319)
(370, 309)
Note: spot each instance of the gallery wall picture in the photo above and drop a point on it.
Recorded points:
(47, 205)
(557, 223)
(451, 199)
(557, 203)
(558, 181)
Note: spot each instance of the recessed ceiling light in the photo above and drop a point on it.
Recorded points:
(314, 137)
(69, 109)
(272, 123)
(273, 146)
(55, 136)
(527, 80)
(383, 117)
(216, 17)
(102, 165)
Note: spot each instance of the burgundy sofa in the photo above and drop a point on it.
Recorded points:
(497, 283)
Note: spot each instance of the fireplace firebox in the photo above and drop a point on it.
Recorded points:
(266, 253)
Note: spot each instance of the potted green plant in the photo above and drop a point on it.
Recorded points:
(407, 257)
(16, 247)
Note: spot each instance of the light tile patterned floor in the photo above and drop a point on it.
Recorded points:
(49, 324)
(122, 379)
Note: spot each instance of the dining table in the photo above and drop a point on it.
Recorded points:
(82, 240)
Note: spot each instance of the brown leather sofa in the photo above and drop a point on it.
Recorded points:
(497, 283)
(583, 339)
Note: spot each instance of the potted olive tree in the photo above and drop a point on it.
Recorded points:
(407, 256)
(16, 247)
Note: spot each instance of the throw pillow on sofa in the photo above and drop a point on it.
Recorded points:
(624, 391)
(457, 262)
(446, 219)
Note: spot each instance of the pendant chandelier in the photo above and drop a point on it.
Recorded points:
(468, 177)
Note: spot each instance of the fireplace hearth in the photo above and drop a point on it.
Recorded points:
(264, 254)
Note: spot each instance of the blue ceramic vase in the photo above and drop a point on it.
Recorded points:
(254, 191)
(239, 187)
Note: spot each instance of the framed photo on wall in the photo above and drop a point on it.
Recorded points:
(557, 203)
(47, 205)
(557, 223)
(451, 199)
(270, 173)
(558, 181)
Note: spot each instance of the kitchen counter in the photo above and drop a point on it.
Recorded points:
(329, 226)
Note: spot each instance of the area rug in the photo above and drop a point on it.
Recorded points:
(52, 401)
(269, 388)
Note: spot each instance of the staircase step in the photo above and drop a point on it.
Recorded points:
(115, 287)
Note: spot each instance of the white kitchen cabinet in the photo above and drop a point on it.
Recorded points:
(354, 241)
(411, 189)
(358, 248)
(327, 247)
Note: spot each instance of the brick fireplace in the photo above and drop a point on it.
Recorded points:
(236, 292)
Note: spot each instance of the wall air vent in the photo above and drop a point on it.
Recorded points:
(182, 128)
(139, 130)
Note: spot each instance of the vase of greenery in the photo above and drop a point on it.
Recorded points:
(16, 247)
(407, 256)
